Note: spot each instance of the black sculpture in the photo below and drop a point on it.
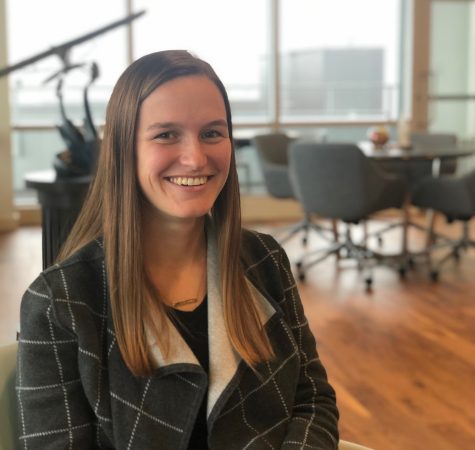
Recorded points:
(82, 145)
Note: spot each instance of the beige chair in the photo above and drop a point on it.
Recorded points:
(8, 417)
(345, 445)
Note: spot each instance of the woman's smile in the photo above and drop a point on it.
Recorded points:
(188, 181)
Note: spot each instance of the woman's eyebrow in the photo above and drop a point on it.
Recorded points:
(218, 122)
(160, 125)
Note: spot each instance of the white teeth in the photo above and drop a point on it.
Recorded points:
(189, 181)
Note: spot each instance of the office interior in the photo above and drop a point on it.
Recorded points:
(317, 70)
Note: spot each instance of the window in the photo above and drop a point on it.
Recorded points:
(232, 36)
(50, 23)
(34, 27)
(338, 63)
(339, 60)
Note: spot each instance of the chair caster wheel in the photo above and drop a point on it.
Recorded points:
(298, 265)
(369, 283)
(402, 272)
(380, 241)
(301, 276)
(304, 241)
(411, 263)
(434, 275)
(456, 255)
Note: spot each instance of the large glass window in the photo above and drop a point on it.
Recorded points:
(33, 28)
(452, 68)
(338, 63)
(232, 36)
(339, 60)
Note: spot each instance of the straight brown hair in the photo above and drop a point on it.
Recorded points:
(112, 209)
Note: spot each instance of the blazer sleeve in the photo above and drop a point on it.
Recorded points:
(314, 422)
(53, 411)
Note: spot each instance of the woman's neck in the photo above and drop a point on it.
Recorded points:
(175, 260)
(173, 243)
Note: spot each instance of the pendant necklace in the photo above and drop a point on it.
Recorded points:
(192, 300)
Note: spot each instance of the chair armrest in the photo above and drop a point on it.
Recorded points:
(345, 445)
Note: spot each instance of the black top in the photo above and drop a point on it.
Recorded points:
(193, 327)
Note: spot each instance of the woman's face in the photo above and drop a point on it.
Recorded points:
(183, 147)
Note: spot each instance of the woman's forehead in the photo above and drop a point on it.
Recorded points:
(184, 98)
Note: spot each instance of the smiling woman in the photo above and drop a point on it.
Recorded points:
(164, 324)
(183, 147)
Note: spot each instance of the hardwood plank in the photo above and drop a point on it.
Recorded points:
(402, 358)
(20, 264)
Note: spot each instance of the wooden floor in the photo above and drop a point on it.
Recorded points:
(402, 358)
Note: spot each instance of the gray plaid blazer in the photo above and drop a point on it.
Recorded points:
(75, 392)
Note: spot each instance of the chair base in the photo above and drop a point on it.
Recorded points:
(366, 258)
(456, 247)
(306, 225)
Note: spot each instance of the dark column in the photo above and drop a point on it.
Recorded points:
(61, 200)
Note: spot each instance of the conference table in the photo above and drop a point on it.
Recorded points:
(401, 160)
(393, 152)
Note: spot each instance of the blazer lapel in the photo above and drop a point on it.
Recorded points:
(178, 352)
(223, 359)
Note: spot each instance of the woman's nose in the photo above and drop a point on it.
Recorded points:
(193, 154)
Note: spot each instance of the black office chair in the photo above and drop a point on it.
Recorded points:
(337, 181)
(453, 196)
(272, 151)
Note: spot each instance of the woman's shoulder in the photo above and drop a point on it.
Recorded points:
(260, 242)
(83, 265)
(70, 293)
(260, 248)
(86, 254)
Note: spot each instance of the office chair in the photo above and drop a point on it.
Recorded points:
(272, 151)
(337, 181)
(414, 171)
(8, 410)
(453, 196)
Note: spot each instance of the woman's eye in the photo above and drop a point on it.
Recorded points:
(211, 134)
(166, 135)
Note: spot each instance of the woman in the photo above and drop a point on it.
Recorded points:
(164, 325)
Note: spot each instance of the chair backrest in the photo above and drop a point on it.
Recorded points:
(345, 445)
(433, 140)
(272, 152)
(8, 415)
(334, 180)
(272, 147)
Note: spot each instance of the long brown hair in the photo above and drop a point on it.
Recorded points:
(112, 209)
